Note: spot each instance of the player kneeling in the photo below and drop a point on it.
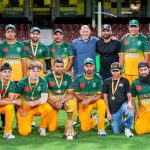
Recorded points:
(34, 93)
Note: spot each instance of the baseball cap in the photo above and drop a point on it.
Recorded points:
(88, 61)
(58, 30)
(115, 66)
(34, 29)
(133, 23)
(143, 64)
(10, 26)
(106, 27)
(5, 66)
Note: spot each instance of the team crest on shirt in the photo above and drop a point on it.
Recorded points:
(139, 43)
(94, 85)
(120, 84)
(39, 88)
(65, 49)
(18, 49)
(40, 50)
(65, 83)
(138, 87)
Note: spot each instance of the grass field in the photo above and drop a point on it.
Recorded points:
(86, 141)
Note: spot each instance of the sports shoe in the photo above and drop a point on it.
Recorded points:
(101, 132)
(33, 123)
(42, 131)
(8, 136)
(128, 133)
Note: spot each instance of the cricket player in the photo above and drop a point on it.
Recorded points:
(134, 48)
(33, 91)
(141, 90)
(7, 93)
(61, 93)
(36, 51)
(13, 52)
(60, 49)
(88, 90)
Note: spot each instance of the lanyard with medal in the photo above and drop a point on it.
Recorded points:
(32, 90)
(5, 89)
(114, 89)
(58, 83)
(34, 52)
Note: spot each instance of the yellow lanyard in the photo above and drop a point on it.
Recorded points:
(114, 89)
(34, 52)
(5, 88)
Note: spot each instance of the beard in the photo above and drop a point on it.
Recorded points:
(89, 72)
(145, 79)
(106, 36)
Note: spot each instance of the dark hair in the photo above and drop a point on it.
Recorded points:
(5, 66)
(58, 60)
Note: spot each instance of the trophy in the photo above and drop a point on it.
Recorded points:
(69, 133)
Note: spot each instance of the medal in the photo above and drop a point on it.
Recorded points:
(34, 52)
(32, 90)
(5, 89)
(114, 89)
(59, 91)
(113, 97)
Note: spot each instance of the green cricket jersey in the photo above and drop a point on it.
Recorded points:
(5, 90)
(31, 91)
(13, 53)
(62, 51)
(88, 87)
(58, 86)
(134, 48)
(142, 91)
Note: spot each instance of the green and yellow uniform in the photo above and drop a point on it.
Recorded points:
(8, 110)
(13, 54)
(87, 88)
(58, 88)
(62, 51)
(142, 92)
(36, 53)
(134, 48)
(31, 92)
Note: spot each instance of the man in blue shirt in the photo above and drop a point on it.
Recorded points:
(83, 47)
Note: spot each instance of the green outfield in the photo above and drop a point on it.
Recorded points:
(86, 141)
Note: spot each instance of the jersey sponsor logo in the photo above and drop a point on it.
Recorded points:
(18, 49)
(82, 85)
(126, 43)
(94, 85)
(5, 49)
(65, 83)
(40, 50)
(139, 43)
(26, 48)
(138, 87)
(131, 55)
(26, 89)
(39, 88)
(51, 84)
(53, 50)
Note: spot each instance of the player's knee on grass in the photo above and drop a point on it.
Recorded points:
(24, 132)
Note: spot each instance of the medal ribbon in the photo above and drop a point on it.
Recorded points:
(58, 84)
(5, 88)
(114, 89)
(34, 52)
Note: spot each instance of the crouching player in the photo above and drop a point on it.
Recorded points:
(7, 92)
(61, 93)
(88, 89)
(34, 93)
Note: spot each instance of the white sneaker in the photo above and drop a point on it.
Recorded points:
(128, 133)
(101, 132)
(33, 124)
(42, 131)
(8, 136)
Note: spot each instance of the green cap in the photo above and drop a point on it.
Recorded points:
(10, 26)
(133, 23)
(88, 61)
(35, 29)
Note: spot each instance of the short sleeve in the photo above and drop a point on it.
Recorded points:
(133, 89)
